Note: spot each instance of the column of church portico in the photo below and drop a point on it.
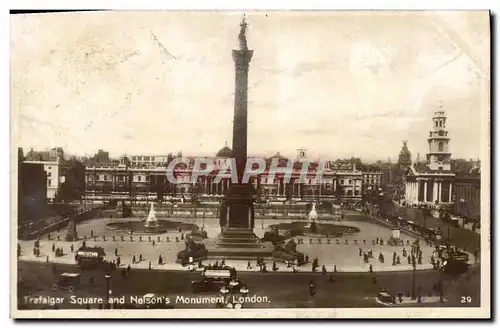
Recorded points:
(439, 190)
(449, 197)
(434, 191)
(425, 191)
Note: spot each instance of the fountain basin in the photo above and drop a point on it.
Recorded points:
(160, 227)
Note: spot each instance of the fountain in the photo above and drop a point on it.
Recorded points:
(312, 217)
(151, 222)
(152, 225)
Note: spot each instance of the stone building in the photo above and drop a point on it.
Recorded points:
(432, 182)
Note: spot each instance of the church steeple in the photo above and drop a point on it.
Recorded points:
(439, 155)
(404, 159)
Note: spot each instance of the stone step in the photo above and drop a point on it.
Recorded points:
(236, 254)
(226, 244)
(238, 239)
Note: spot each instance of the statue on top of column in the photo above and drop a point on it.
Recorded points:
(243, 34)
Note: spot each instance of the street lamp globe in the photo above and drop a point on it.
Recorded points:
(224, 290)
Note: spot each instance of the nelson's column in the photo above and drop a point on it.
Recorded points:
(237, 212)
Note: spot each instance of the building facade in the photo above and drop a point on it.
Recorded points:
(372, 180)
(432, 182)
(130, 178)
(466, 194)
(53, 176)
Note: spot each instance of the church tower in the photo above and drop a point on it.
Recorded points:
(439, 155)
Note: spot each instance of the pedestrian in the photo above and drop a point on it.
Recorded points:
(116, 251)
(140, 257)
(91, 233)
(370, 269)
(335, 268)
(133, 259)
(129, 268)
(53, 247)
(149, 265)
(377, 241)
(360, 251)
(153, 242)
(323, 269)
(307, 259)
(58, 238)
(275, 267)
(364, 241)
(398, 260)
(249, 266)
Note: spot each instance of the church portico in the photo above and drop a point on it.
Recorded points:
(432, 182)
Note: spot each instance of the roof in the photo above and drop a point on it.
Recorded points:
(423, 168)
(225, 152)
(278, 156)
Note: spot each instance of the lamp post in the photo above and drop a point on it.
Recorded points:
(441, 271)
(107, 277)
(414, 265)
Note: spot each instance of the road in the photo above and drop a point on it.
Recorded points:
(283, 290)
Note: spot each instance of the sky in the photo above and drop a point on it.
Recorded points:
(339, 84)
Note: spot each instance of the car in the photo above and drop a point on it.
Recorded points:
(67, 281)
(384, 297)
(212, 280)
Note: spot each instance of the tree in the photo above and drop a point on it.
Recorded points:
(74, 183)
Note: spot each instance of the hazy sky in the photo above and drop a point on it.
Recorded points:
(339, 84)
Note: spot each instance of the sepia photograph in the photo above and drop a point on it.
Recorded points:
(258, 164)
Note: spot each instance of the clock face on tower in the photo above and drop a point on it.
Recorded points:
(440, 158)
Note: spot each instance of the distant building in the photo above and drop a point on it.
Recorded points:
(148, 177)
(349, 182)
(372, 180)
(404, 158)
(54, 178)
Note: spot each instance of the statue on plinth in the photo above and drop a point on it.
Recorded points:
(71, 234)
